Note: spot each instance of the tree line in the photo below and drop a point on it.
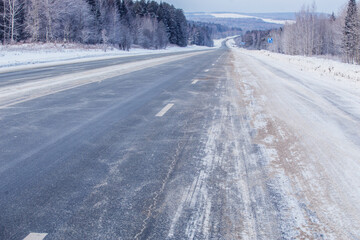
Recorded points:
(202, 34)
(121, 23)
(313, 34)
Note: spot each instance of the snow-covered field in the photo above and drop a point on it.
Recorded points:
(237, 15)
(26, 54)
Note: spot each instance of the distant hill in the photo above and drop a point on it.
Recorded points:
(245, 21)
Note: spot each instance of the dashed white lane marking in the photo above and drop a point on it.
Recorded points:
(207, 70)
(213, 64)
(36, 236)
(194, 82)
(164, 110)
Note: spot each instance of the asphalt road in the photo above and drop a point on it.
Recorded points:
(217, 145)
(16, 77)
(95, 162)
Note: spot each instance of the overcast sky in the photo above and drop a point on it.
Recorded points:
(255, 6)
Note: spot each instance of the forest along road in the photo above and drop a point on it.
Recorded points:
(209, 145)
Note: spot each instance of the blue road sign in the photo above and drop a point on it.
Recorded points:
(270, 40)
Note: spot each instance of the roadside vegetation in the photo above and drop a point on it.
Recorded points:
(313, 34)
(120, 23)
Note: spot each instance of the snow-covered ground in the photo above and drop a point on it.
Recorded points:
(26, 54)
(305, 116)
(237, 15)
(330, 70)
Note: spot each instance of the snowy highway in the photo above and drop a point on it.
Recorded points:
(218, 144)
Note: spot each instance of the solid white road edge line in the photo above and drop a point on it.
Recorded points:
(36, 236)
(194, 82)
(164, 110)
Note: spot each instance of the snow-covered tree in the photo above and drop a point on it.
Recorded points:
(3, 23)
(33, 20)
(117, 22)
(200, 34)
(12, 19)
(311, 34)
(351, 36)
(151, 33)
(64, 21)
(74, 21)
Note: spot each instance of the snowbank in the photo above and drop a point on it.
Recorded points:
(26, 54)
(331, 69)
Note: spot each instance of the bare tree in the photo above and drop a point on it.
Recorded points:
(65, 21)
(73, 22)
(161, 36)
(11, 13)
(3, 24)
(289, 39)
(110, 22)
(151, 33)
(33, 21)
(311, 34)
(277, 45)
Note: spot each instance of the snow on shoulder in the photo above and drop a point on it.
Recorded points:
(13, 56)
(327, 69)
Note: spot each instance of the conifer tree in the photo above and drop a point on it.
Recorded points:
(121, 23)
(351, 36)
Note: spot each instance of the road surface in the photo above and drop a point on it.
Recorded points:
(188, 147)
